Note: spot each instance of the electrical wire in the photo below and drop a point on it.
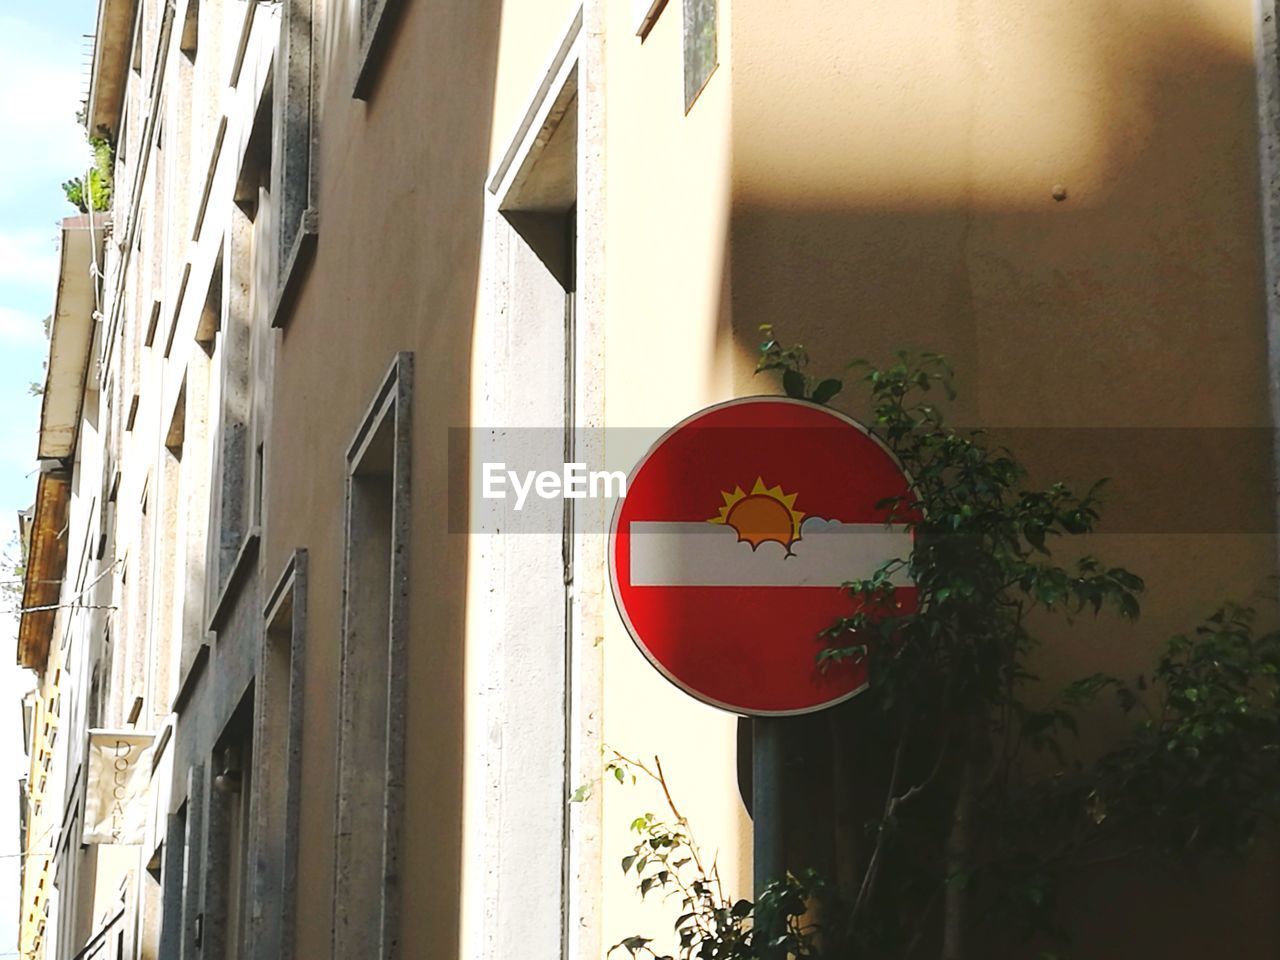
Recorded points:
(74, 602)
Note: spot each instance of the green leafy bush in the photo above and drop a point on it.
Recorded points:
(93, 191)
(983, 812)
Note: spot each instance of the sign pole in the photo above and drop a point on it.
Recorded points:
(768, 823)
(766, 801)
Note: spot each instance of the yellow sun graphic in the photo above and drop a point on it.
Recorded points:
(766, 513)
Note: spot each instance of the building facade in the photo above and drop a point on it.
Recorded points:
(353, 244)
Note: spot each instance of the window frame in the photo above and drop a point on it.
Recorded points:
(295, 181)
(391, 407)
(276, 820)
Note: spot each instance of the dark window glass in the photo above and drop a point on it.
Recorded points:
(699, 47)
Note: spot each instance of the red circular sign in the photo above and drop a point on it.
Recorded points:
(728, 552)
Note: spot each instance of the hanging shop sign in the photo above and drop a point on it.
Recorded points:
(118, 776)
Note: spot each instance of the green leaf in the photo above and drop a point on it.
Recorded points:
(793, 382)
(635, 944)
(1194, 768)
(827, 389)
(1129, 606)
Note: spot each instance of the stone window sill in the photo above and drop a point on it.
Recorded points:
(374, 41)
(239, 570)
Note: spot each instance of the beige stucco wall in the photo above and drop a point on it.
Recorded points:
(913, 203)
(397, 268)
(920, 214)
(864, 176)
(881, 176)
(894, 170)
(43, 813)
(667, 191)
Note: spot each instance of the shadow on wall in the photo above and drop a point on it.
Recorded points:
(396, 268)
(1135, 301)
(1117, 329)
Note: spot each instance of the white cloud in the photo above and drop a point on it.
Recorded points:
(29, 259)
(17, 327)
(43, 89)
(40, 92)
(41, 86)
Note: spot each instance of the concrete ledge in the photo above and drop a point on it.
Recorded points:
(188, 684)
(373, 44)
(239, 569)
(296, 266)
(111, 56)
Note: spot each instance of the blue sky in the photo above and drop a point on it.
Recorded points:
(43, 72)
(42, 79)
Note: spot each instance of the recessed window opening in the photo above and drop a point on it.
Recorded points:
(296, 181)
(210, 322)
(280, 753)
(701, 55)
(233, 446)
(173, 879)
(235, 451)
(259, 460)
(229, 828)
(370, 728)
(190, 38)
(368, 647)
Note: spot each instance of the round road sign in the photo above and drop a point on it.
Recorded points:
(728, 552)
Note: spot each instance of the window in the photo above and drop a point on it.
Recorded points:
(181, 635)
(160, 648)
(191, 866)
(699, 47)
(243, 11)
(296, 185)
(259, 482)
(190, 36)
(279, 755)
(107, 495)
(226, 924)
(134, 629)
(182, 98)
(172, 882)
(236, 337)
(95, 711)
(372, 697)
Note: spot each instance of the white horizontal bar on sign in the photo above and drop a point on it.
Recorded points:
(828, 554)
